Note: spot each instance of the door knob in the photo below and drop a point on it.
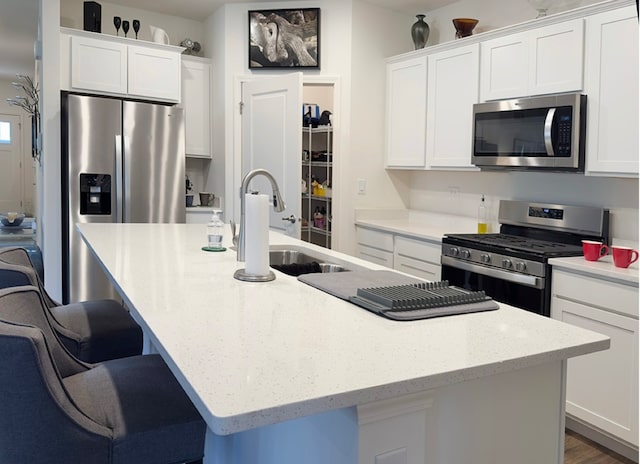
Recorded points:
(292, 219)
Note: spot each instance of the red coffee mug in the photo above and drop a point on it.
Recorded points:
(624, 256)
(593, 251)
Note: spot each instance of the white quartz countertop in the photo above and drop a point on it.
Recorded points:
(254, 354)
(603, 268)
(418, 224)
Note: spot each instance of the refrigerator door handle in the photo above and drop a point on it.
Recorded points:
(119, 202)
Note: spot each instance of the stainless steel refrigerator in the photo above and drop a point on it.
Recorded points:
(122, 161)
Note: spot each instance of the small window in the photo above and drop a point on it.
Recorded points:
(5, 132)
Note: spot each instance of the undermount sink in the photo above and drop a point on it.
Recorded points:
(295, 262)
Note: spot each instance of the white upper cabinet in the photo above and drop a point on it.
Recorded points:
(406, 113)
(98, 65)
(196, 91)
(107, 65)
(543, 60)
(611, 86)
(452, 91)
(153, 73)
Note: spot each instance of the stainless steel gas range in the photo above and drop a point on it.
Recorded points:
(512, 266)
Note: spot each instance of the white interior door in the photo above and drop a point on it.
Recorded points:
(272, 140)
(10, 155)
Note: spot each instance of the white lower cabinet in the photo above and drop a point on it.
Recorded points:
(602, 387)
(417, 257)
(395, 431)
(420, 258)
(375, 246)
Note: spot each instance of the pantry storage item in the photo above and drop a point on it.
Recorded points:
(317, 175)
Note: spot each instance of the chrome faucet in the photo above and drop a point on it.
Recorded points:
(278, 204)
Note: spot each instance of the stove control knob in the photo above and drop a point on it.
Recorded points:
(485, 258)
(521, 266)
(507, 264)
(465, 254)
(454, 251)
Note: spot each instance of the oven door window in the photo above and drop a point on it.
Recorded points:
(522, 296)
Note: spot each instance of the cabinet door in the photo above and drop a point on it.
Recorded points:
(98, 65)
(452, 91)
(556, 58)
(544, 60)
(154, 73)
(611, 85)
(602, 387)
(196, 103)
(406, 113)
(505, 62)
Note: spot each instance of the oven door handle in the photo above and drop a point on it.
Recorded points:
(522, 279)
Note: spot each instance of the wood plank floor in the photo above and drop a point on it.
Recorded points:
(580, 450)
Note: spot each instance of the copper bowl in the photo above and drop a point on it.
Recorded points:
(464, 26)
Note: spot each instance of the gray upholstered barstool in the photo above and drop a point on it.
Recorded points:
(93, 331)
(55, 408)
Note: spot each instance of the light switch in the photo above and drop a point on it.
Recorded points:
(362, 186)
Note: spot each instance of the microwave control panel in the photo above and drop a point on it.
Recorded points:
(564, 122)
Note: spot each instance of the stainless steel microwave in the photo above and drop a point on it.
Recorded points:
(543, 133)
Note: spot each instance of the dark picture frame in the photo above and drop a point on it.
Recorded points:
(285, 38)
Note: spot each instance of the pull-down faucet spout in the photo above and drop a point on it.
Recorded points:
(278, 204)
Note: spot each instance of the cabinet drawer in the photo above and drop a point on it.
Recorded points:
(375, 239)
(374, 255)
(416, 267)
(612, 296)
(417, 249)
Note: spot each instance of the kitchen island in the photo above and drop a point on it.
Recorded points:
(284, 373)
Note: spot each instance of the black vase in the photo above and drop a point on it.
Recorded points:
(419, 32)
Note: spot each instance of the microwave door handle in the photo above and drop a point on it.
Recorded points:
(548, 124)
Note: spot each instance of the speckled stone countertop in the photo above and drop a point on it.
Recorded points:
(417, 224)
(255, 354)
(603, 268)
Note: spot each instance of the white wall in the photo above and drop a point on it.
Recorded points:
(377, 33)
(459, 193)
(177, 29)
(49, 196)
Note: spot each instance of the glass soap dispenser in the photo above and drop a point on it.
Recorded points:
(215, 232)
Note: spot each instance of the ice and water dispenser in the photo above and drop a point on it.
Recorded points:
(95, 194)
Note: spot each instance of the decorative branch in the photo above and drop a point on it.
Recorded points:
(29, 103)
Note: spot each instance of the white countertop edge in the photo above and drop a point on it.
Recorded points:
(601, 269)
(248, 421)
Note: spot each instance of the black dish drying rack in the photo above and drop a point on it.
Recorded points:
(422, 300)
